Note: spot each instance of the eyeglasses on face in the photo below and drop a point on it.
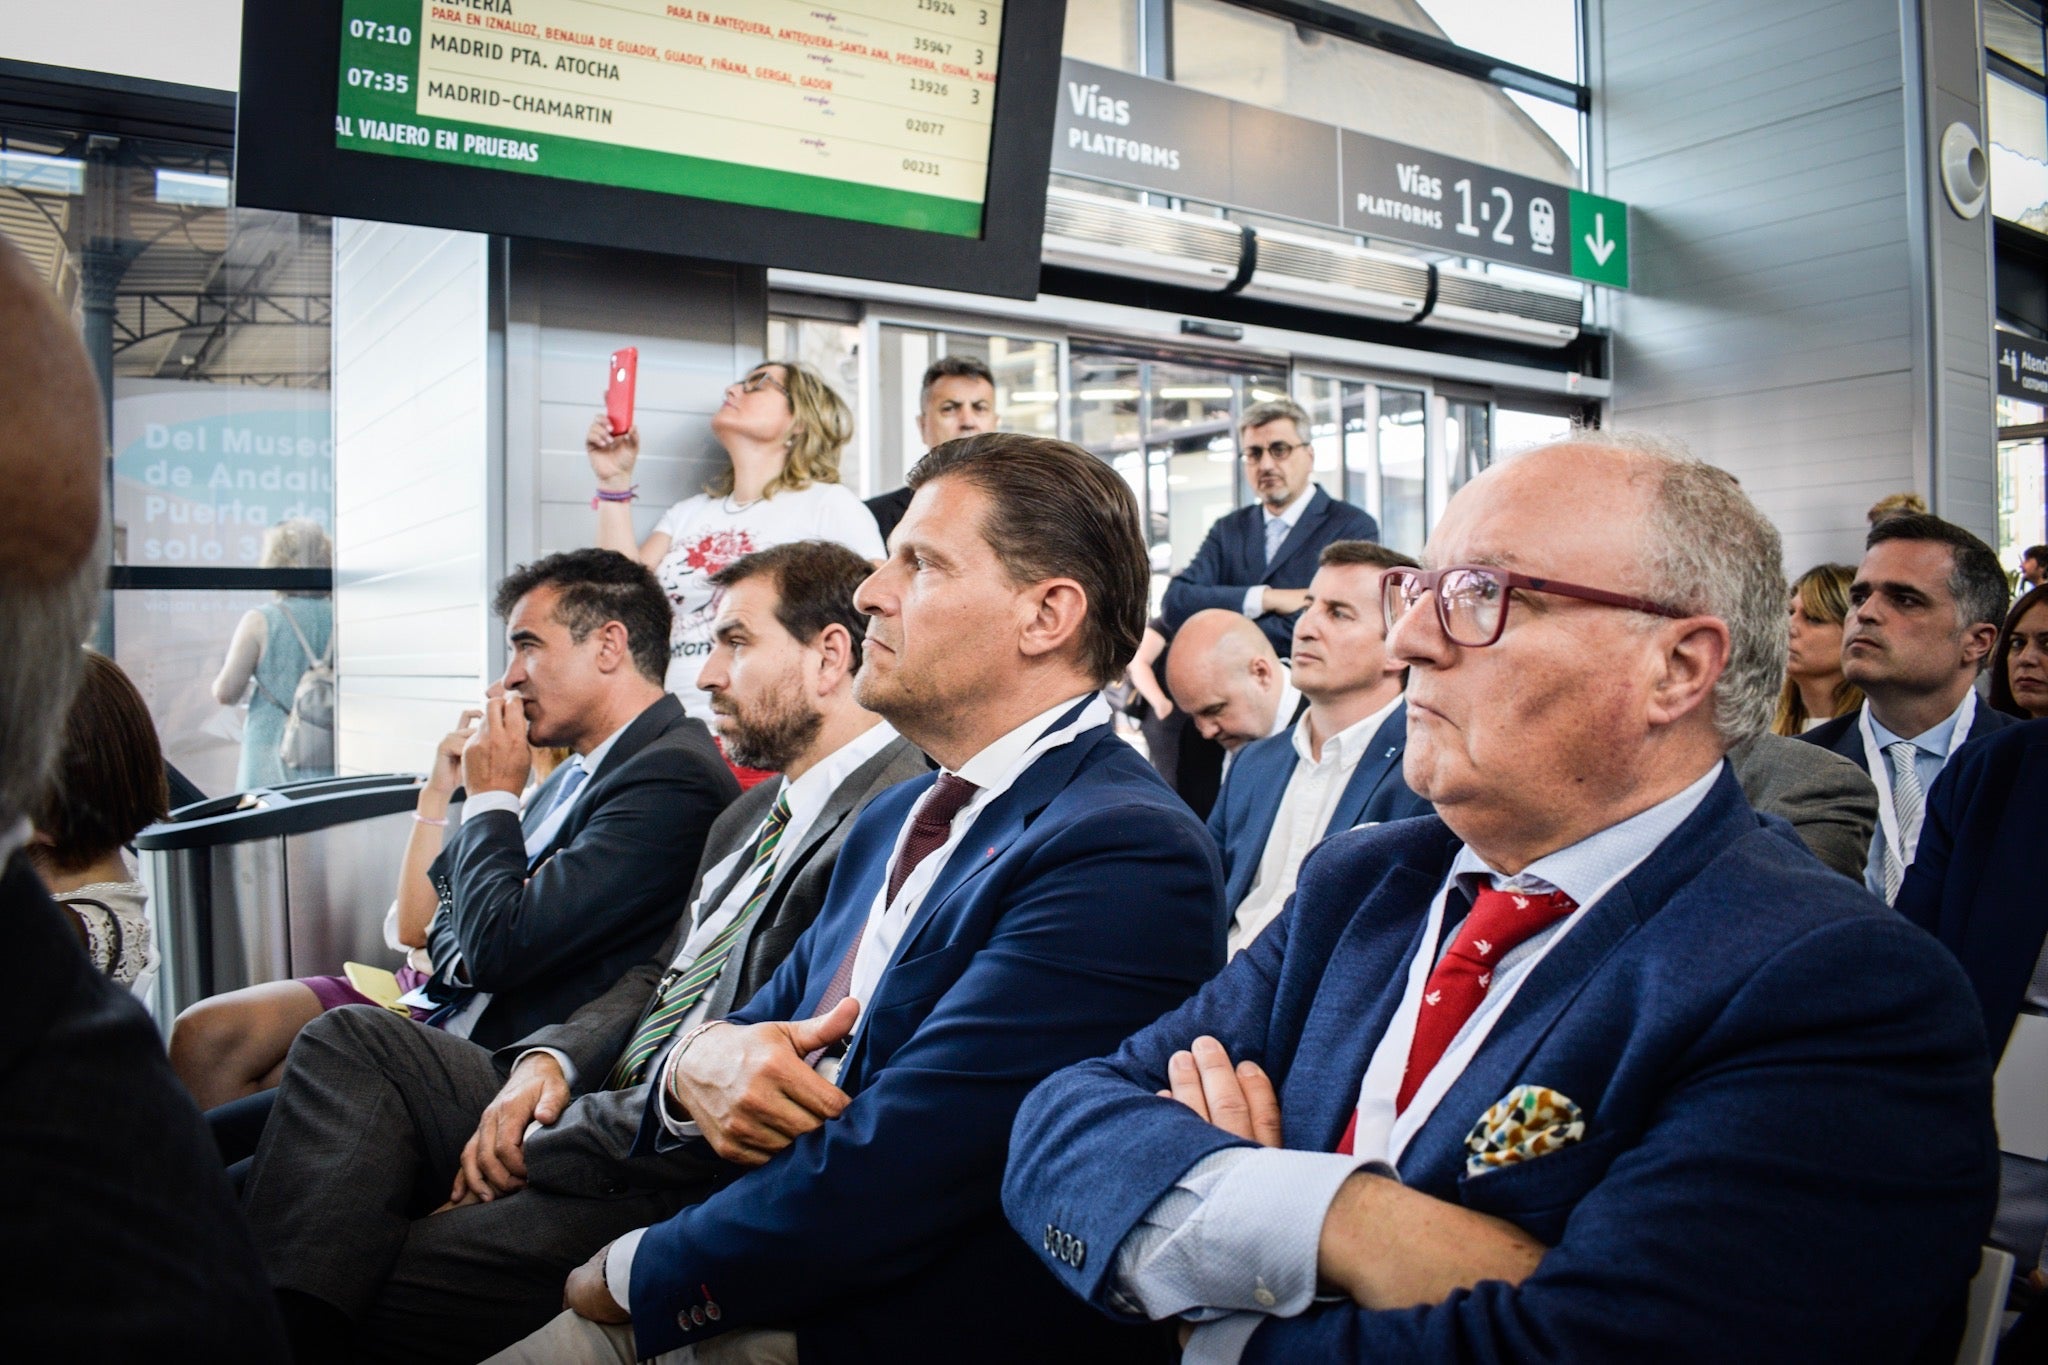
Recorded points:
(759, 380)
(1472, 599)
(1279, 450)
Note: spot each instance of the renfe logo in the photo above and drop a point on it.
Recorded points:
(1090, 102)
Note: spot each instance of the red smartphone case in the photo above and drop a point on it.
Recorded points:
(618, 393)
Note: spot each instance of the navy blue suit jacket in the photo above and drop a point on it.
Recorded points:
(1233, 559)
(1789, 1151)
(1976, 882)
(1843, 735)
(549, 936)
(1242, 819)
(1085, 901)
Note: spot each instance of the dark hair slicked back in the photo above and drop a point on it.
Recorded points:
(1055, 511)
(814, 585)
(1975, 579)
(596, 586)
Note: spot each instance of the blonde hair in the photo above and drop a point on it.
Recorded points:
(822, 427)
(297, 544)
(1892, 504)
(1823, 593)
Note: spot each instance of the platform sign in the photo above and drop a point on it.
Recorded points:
(2022, 366)
(1155, 135)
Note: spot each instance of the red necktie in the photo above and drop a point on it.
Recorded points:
(929, 830)
(1498, 923)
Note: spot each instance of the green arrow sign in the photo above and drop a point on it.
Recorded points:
(1599, 239)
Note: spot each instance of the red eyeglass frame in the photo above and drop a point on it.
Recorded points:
(1394, 582)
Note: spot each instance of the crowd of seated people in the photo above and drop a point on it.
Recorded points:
(1532, 991)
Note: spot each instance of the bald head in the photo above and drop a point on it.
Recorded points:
(1223, 672)
(52, 446)
(52, 449)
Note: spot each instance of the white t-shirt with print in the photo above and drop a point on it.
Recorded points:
(706, 534)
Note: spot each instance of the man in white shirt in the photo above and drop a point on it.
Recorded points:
(1227, 678)
(1923, 618)
(442, 1230)
(1339, 765)
(1038, 899)
(1562, 1073)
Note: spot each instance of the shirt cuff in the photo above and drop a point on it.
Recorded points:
(561, 1060)
(1255, 600)
(479, 802)
(618, 1267)
(1221, 1342)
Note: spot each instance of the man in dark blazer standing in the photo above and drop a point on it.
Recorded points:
(126, 1241)
(1562, 1072)
(541, 910)
(1259, 559)
(537, 1138)
(1924, 612)
(1040, 897)
(1337, 767)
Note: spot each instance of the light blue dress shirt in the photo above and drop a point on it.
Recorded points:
(1930, 756)
(1235, 1240)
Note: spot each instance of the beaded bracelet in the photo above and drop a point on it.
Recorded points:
(615, 495)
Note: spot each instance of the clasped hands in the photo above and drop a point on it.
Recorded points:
(1382, 1244)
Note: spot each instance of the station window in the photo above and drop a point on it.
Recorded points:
(209, 328)
(2022, 492)
(1027, 375)
(1104, 32)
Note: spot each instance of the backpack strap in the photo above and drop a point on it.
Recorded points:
(304, 643)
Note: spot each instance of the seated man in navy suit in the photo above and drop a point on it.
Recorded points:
(1259, 559)
(1340, 764)
(1041, 897)
(1596, 1064)
(1923, 617)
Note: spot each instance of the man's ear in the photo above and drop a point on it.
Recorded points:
(1695, 656)
(1053, 611)
(614, 647)
(1978, 642)
(837, 652)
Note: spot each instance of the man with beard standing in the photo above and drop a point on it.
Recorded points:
(525, 1151)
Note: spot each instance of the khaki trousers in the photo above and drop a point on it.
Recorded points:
(570, 1340)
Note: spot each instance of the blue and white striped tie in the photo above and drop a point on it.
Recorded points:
(1910, 803)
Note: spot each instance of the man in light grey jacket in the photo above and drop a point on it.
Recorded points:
(1829, 801)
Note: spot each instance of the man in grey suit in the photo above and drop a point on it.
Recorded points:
(1829, 801)
(525, 1151)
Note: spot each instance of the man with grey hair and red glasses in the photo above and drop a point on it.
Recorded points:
(1596, 1064)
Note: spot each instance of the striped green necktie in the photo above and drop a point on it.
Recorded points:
(682, 988)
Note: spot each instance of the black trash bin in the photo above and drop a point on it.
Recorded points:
(284, 881)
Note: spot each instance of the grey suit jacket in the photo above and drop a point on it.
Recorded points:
(586, 1151)
(1829, 800)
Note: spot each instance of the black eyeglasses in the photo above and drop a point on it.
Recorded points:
(1472, 599)
(1279, 450)
(759, 380)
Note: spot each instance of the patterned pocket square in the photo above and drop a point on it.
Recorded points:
(1528, 1122)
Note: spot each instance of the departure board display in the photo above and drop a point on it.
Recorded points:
(877, 113)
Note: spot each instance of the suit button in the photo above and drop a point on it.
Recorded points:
(683, 1319)
(614, 1188)
(1263, 1297)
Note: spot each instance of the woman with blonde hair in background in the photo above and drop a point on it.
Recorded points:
(783, 431)
(1814, 688)
(272, 649)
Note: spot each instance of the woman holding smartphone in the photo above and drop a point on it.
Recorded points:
(782, 429)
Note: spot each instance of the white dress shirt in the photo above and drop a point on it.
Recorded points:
(1235, 1240)
(1291, 514)
(463, 1020)
(807, 797)
(1313, 790)
(994, 771)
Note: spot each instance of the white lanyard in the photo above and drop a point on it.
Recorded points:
(1881, 772)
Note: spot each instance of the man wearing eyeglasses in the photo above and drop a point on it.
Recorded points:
(1594, 1065)
(1259, 559)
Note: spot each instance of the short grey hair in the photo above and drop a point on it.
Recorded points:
(42, 629)
(1710, 552)
(1275, 410)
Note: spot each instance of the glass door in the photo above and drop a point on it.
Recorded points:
(1375, 450)
(1168, 425)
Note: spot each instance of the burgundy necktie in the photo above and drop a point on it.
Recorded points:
(1498, 923)
(930, 827)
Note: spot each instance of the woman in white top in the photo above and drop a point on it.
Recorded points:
(108, 786)
(783, 429)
